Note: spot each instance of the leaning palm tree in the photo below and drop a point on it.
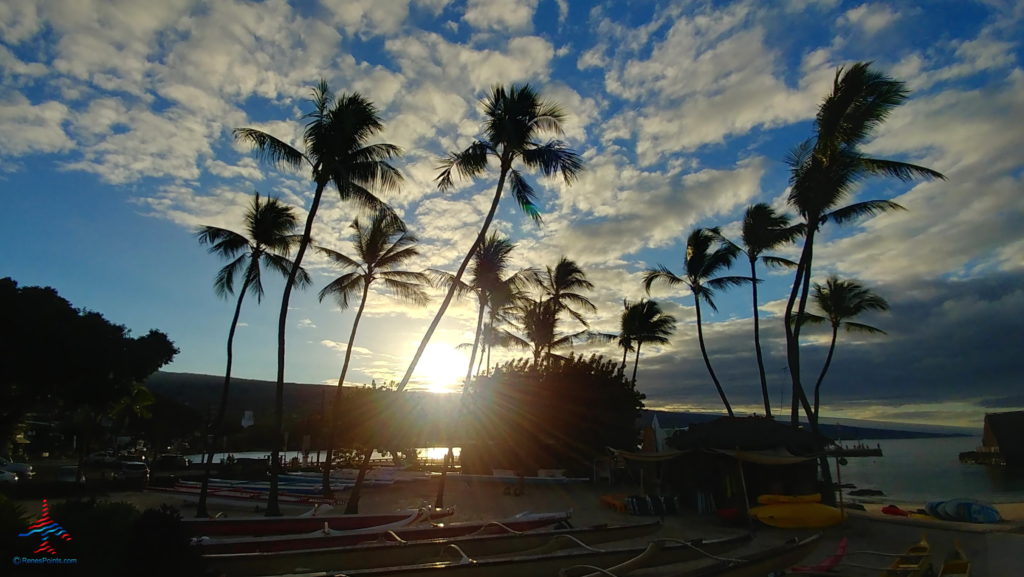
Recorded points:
(270, 227)
(647, 324)
(763, 230)
(514, 120)
(380, 247)
(706, 256)
(841, 300)
(337, 151)
(824, 171)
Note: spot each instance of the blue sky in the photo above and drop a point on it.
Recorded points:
(116, 118)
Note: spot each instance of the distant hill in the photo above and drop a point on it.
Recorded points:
(844, 432)
(202, 392)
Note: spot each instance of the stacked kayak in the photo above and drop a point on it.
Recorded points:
(796, 512)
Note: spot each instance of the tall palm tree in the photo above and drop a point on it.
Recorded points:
(706, 256)
(380, 247)
(337, 151)
(763, 230)
(537, 323)
(514, 120)
(561, 288)
(629, 323)
(270, 236)
(824, 171)
(644, 322)
(841, 300)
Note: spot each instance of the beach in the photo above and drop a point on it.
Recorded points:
(996, 549)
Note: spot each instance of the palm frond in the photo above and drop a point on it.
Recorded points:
(859, 210)
(343, 288)
(661, 274)
(552, 158)
(223, 242)
(858, 327)
(777, 262)
(524, 194)
(270, 149)
(469, 163)
(224, 282)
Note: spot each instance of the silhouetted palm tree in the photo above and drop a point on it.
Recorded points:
(270, 237)
(763, 230)
(561, 287)
(706, 256)
(841, 300)
(380, 248)
(514, 119)
(824, 171)
(337, 151)
(644, 322)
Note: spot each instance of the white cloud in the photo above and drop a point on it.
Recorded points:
(367, 18)
(506, 16)
(306, 323)
(870, 18)
(32, 128)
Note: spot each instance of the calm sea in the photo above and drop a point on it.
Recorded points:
(921, 470)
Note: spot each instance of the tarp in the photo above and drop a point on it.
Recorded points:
(779, 456)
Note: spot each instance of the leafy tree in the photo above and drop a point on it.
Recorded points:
(825, 169)
(644, 322)
(269, 238)
(841, 300)
(514, 119)
(764, 230)
(562, 413)
(561, 288)
(380, 247)
(706, 256)
(337, 150)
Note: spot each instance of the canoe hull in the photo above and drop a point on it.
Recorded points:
(257, 526)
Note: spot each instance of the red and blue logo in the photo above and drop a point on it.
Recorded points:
(46, 530)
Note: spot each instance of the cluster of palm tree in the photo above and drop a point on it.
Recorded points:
(530, 308)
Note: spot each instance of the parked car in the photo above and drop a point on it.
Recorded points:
(101, 458)
(171, 462)
(70, 475)
(131, 471)
(8, 478)
(23, 470)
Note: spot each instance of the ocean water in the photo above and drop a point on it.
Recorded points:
(922, 470)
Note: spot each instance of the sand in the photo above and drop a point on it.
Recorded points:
(993, 549)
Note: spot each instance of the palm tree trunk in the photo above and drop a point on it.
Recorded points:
(707, 361)
(273, 508)
(824, 369)
(757, 341)
(218, 422)
(332, 426)
(476, 343)
(636, 362)
(622, 367)
(792, 327)
(352, 506)
(505, 166)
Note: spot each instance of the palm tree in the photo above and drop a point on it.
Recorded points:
(763, 230)
(561, 287)
(841, 300)
(270, 227)
(337, 151)
(825, 169)
(537, 322)
(380, 247)
(644, 322)
(514, 119)
(629, 323)
(706, 256)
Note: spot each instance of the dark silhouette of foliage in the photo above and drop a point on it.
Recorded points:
(558, 414)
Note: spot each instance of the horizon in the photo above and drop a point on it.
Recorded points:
(117, 119)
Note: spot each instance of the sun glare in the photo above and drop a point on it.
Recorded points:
(442, 368)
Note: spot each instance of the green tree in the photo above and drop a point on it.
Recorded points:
(337, 150)
(706, 256)
(561, 289)
(644, 322)
(764, 230)
(514, 120)
(825, 170)
(269, 237)
(380, 247)
(840, 300)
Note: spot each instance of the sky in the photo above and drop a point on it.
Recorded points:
(116, 144)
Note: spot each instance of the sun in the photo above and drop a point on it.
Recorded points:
(442, 368)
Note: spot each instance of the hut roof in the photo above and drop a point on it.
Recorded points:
(747, 434)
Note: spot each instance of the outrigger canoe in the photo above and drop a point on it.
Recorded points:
(402, 552)
(758, 564)
(239, 494)
(329, 539)
(544, 563)
(915, 562)
(256, 526)
(956, 564)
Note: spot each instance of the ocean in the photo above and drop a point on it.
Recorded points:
(922, 470)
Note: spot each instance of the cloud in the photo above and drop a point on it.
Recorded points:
(306, 323)
(32, 128)
(870, 18)
(502, 16)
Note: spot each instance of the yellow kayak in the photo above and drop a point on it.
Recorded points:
(798, 515)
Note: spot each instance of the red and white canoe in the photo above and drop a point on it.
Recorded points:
(325, 525)
(326, 540)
